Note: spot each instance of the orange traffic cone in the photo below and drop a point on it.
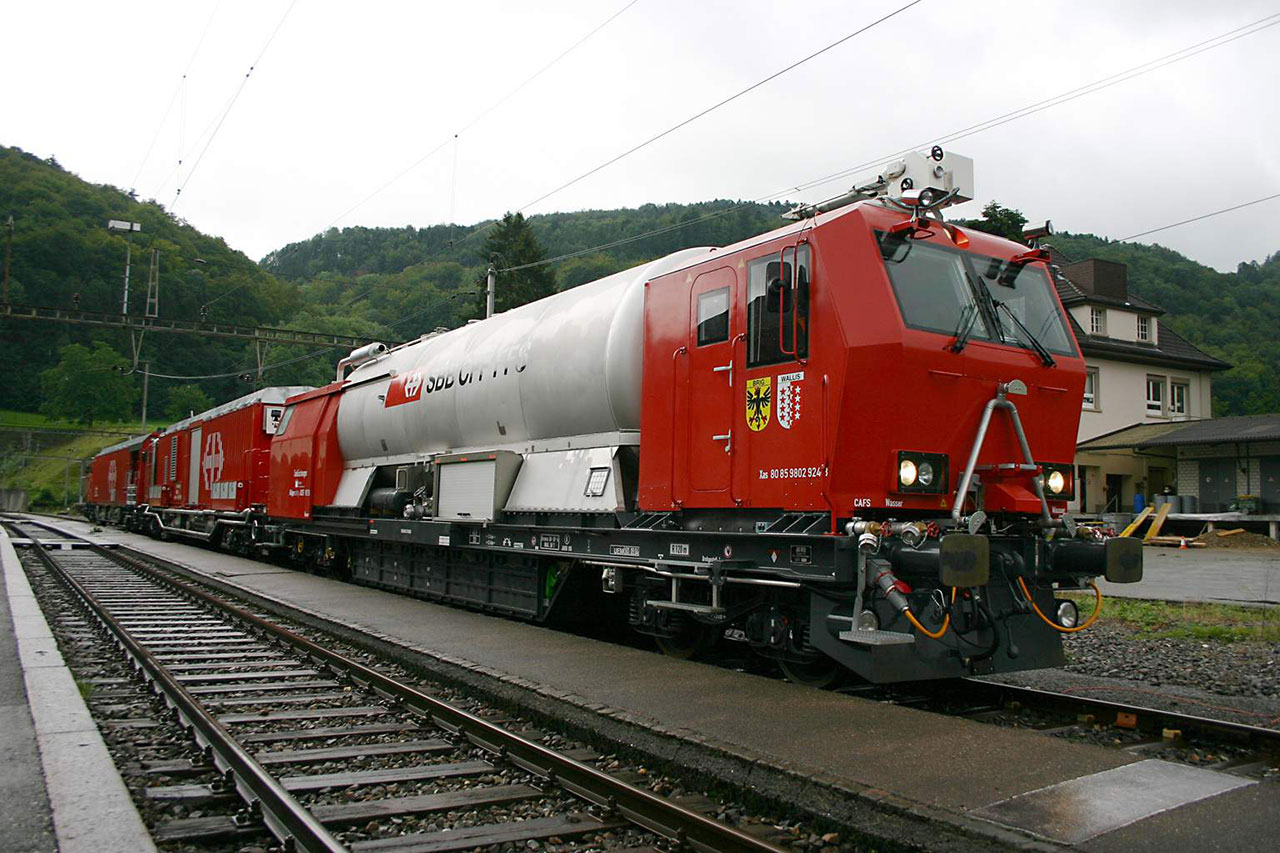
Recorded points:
(1182, 543)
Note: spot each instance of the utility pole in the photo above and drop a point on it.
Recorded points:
(8, 255)
(130, 227)
(146, 374)
(490, 280)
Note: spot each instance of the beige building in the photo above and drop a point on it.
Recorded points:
(1141, 372)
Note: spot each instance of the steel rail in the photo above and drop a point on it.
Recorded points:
(1144, 718)
(283, 815)
(644, 808)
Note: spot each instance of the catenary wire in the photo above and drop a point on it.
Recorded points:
(317, 353)
(1200, 217)
(971, 130)
(231, 105)
(707, 111)
(1065, 97)
(676, 127)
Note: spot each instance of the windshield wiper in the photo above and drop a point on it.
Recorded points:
(1031, 339)
(968, 319)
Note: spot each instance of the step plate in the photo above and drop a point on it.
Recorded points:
(866, 637)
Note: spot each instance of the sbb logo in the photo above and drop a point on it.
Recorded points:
(211, 465)
(412, 385)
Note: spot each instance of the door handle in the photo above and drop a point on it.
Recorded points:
(722, 368)
(727, 438)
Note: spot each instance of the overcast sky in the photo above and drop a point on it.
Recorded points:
(348, 96)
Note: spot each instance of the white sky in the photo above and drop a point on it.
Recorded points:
(349, 95)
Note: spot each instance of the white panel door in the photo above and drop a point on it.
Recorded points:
(196, 455)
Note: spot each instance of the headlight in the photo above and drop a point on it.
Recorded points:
(921, 472)
(1059, 481)
(1066, 613)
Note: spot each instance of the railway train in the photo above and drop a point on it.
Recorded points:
(846, 443)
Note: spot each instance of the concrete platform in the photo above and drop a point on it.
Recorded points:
(968, 783)
(60, 789)
(1223, 575)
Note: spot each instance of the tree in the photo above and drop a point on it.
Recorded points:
(88, 385)
(511, 244)
(186, 400)
(999, 220)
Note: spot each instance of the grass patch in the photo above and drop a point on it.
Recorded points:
(1186, 620)
(38, 461)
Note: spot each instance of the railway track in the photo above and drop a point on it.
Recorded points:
(283, 721)
(1223, 745)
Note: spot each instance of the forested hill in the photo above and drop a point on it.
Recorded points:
(632, 236)
(63, 256)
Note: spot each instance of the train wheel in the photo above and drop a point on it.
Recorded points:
(819, 673)
(690, 641)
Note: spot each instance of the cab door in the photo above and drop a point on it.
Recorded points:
(713, 335)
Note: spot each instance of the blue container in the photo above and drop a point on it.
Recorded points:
(1139, 502)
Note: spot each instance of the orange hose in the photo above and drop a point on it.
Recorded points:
(1097, 608)
(923, 630)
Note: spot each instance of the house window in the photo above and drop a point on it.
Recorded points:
(1090, 389)
(1178, 393)
(1155, 396)
(1097, 321)
(1144, 329)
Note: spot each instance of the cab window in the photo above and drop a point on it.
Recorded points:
(284, 419)
(778, 307)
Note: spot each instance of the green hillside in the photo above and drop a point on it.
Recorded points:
(63, 256)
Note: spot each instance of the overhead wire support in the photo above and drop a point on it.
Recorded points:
(178, 90)
(476, 120)
(231, 105)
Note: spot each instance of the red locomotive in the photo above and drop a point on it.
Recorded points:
(846, 443)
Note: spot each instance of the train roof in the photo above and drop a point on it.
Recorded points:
(127, 444)
(798, 227)
(269, 396)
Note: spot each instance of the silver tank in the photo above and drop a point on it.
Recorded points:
(567, 365)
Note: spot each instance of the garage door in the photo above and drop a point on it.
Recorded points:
(1217, 484)
(1270, 483)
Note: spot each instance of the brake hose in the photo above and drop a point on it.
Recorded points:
(1097, 608)
(945, 622)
